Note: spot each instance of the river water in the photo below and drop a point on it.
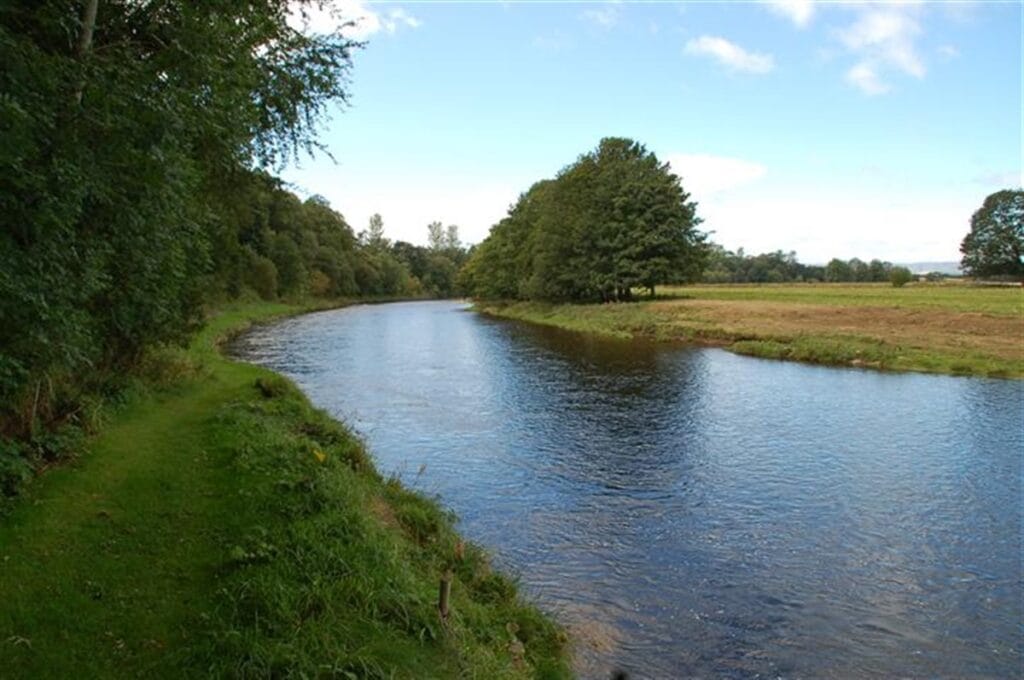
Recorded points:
(687, 512)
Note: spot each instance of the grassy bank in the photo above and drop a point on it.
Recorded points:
(224, 527)
(955, 329)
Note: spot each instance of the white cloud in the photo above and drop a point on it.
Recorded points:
(746, 206)
(705, 175)
(883, 40)
(398, 17)
(865, 225)
(948, 51)
(731, 55)
(605, 17)
(887, 34)
(864, 77)
(327, 16)
(799, 12)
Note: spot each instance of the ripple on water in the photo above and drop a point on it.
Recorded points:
(691, 512)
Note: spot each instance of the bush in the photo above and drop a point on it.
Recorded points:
(319, 283)
(900, 276)
(15, 470)
(263, 277)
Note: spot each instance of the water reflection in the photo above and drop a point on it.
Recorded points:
(690, 512)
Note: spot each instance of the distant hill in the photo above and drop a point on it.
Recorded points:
(952, 268)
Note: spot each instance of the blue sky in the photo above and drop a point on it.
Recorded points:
(830, 129)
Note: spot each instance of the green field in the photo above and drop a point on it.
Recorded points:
(937, 328)
(221, 526)
(954, 297)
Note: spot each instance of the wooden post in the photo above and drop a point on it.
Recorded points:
(444, 594)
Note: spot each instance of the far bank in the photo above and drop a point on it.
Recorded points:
(954, 329)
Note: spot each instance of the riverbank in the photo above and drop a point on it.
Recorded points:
(222, 526)
(951, 329)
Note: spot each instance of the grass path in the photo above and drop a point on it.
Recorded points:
(218, 528)
(108, 560)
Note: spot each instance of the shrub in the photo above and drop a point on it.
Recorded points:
(263, 277)
(319, 283)
(900, 276)
(15, 470)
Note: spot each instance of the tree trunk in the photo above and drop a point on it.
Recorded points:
(85, 41)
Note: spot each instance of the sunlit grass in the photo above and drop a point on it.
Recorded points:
(951, 328)
(953, 296)
(222, 527)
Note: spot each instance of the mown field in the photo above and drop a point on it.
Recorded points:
(951, 328)
(219, 526)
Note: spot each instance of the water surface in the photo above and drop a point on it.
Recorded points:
(689, 512)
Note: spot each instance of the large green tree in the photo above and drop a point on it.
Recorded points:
(615, 220)
(994, 247)
(125, 123)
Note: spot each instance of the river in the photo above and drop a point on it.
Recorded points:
(687, 512)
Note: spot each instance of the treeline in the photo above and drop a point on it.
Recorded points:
(274, 244)
(724, 266)
(126, 126)
(615, 220)
(130, 197)
(618, 220)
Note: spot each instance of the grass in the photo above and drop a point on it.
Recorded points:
(222, 526)
(934, 328)
(958, 297)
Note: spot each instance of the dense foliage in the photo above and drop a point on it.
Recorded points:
(724, 266)
(435, 267)
(615, 220)
(995, 245)
(131, 194)
(900, 276)
(279, 246)
(136, 139)
(125, 126)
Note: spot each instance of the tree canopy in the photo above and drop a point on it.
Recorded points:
(994, 247)
(129, 128)
(615, 220)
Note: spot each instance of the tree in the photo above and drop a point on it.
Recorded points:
(615, 220)
(435, 236)
(502, 265)
(451, 238)
(837, 271)
(900, 276)
(878, 270)
(291, 269)
(439, 278)
(994, 247)
(859, 270)
(125, 124)
(373, 237)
